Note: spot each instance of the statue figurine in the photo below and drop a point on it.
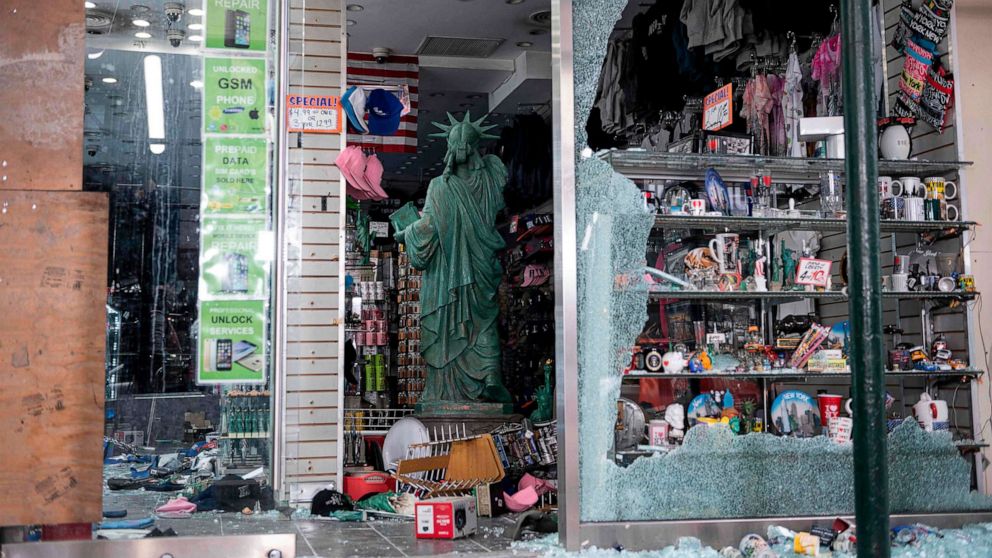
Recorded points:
(454, 243)
(788, 267)
(363, 237)
(544, 397)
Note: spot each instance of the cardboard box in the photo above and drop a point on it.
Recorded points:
(489, 498)
(446, 518)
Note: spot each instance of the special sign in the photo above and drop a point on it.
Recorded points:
(813, 272)
(320, 114)
(718, 109)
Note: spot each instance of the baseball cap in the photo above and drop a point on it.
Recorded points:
(537, 225)
(384, 112)
(373, 177)
(535, 275)
(353, 102)
(351, 162)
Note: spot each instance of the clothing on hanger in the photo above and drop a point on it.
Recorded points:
(792, 106)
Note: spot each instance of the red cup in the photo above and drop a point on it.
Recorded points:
(829, 408)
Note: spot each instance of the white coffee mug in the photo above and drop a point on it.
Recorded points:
(900, 282)
(950, 212)
(911, 187)
(695, 206)
(724, 250)
(887, 187)
(914, 209)
(929, 412)
(945, 188)
(840, 429)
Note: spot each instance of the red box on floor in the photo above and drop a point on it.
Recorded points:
(446, 518)
(357, 485)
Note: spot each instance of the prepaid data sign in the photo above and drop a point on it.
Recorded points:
(234, 95)
(320, 114)
(240, 24)
(718, 109)
(232, 342)
(231, 262)
(235, 175)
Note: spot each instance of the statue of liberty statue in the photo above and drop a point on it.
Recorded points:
(454, 243)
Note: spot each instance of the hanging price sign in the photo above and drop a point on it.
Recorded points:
(718, 109)
(813, 272)
(319, 114)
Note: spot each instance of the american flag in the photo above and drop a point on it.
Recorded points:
(364, 71)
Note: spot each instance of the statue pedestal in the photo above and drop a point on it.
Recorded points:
(477, 418)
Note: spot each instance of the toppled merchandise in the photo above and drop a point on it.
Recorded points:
(837, 540)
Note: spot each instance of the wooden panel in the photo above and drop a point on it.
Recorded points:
(41, 69)
(53, 281)
(302, 468)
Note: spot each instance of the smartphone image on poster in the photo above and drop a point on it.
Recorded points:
(236, 280)
(237, 29)
(224, 354)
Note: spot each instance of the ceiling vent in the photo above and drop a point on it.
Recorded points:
(541, 19)
(455, 46)
(98, 22)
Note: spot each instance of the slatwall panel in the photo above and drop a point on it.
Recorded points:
(314, 329)
(927, 144)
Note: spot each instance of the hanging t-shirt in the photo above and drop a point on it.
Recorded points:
(792, 106)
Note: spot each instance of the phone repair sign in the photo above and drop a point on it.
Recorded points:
(718, 109)
(317, 114)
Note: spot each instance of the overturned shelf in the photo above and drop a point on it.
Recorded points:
(737, 168)
(772, 224)
(786, 374)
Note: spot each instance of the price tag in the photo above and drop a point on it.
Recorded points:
(813, 272)
(718, 109)
(378, 229)
(319, 114)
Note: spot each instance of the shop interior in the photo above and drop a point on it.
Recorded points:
(490, 64)
(455, 80)
(732, 129)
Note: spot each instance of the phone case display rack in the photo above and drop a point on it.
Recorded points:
(653, 166)
(245, 421)
(411, 370)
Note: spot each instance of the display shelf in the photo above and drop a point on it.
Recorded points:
(770, 225)
(792, 373)
(244, 436)
(778, 297)
(740, 168)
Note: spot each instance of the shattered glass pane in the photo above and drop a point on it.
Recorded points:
(715, 474)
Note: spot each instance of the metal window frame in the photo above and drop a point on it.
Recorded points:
(575, 534)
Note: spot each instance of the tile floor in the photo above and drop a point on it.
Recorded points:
(322, 538)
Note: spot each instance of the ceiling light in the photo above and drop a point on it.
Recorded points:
(473, 96)
(154, 100)
(156, 148)
(196, 83)
(437, 94)
(195, 38)
(89, 5)
(514, 1)
(194, 26)
(143, 35)
(351, 22)
(109, 80)
(525, 44)
(195, 12)
(141, 22)
(94, 55)
(355, 7)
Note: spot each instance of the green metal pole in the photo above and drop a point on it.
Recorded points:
(866, 355)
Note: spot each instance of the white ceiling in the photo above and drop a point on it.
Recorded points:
(402, 25)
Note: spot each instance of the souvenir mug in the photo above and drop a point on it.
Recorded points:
(695, 206)
(914, 209)
(900, 282)
(829, 408)
(724, 250)
(938, 188)
(909, 187)
(885, 187)
(931, 413)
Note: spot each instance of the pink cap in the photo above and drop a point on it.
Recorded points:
(373, 176)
